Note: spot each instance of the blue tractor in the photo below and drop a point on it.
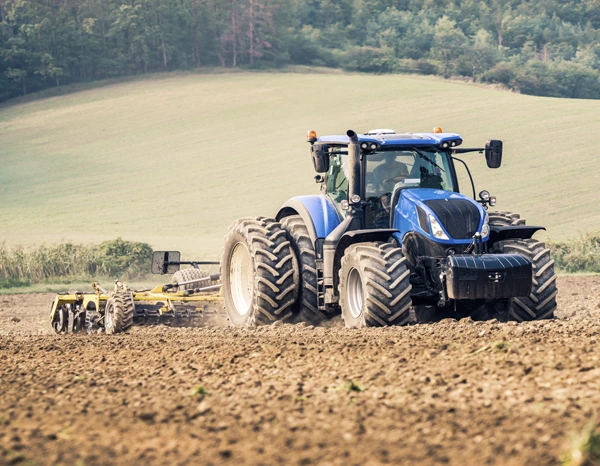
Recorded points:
(389, 241)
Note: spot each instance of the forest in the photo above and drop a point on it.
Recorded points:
(538, 47)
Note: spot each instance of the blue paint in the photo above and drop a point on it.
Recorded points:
(406, 218)
(322, 211)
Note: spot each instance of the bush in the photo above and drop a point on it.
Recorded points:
(369, 59)
(502, 73)
(115, 259)
(408, 65)
(578, 255)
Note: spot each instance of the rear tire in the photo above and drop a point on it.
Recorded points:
(307, 305)
(374, 286)
(259, 273)
(541, 303)
(118, 316)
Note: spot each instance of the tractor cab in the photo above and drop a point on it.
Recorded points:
(386, 172)
(389, 163)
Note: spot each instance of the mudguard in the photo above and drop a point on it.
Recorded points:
(500, 233)
(357, 236)
(317, 211)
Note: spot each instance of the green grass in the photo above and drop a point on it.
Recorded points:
(172, 160)
(578, 254)
(24, 266)
(584, 449)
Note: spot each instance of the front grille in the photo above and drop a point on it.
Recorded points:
(459, 217)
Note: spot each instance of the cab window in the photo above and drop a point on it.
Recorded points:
(337, 180)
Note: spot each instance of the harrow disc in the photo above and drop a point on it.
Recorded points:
(92, 322)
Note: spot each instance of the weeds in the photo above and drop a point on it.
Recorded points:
(579, 254)
(20, 266)
(501, 346)
(352, 386)
(199, 390)
(585, 447)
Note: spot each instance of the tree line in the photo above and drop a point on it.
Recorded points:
(539, 47)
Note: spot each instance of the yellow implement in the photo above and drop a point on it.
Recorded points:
(116, 311)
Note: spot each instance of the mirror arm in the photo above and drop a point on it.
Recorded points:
(469, 172)
(464, 150)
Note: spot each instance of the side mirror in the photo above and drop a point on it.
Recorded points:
(320, 157)
(165, 261)
(493, 153)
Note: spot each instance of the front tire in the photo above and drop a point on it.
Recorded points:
(541, 303)
(259, 273)
(374, 286)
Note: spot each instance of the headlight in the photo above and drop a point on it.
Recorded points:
(436, 228)
(485, 229)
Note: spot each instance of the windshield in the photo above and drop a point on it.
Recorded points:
(385, 173)
(410, 168)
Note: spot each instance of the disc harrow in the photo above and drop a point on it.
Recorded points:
(116, 311)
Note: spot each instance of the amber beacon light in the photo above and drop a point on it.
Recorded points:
(437, 129)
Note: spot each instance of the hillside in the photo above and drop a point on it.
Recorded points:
(172, 160)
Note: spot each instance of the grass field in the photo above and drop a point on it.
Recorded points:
(173, 159)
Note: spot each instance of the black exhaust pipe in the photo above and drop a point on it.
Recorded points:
(354, 188)
(354, 218)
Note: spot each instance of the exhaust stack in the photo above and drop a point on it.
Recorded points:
(354, 188)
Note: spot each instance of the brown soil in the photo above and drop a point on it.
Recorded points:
(454, 392)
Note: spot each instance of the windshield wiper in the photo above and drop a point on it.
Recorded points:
(422, 155)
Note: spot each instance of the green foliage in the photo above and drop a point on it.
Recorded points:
(20, 266)
(199, 390)
(585, 447)
(543, 48)
(578, 255)
(352, 386)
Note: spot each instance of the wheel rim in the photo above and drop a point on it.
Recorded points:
(108, 317)
(355, 293)
(241, 278)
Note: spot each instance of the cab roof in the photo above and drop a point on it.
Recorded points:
(393, 139)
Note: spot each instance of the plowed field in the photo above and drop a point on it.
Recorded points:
(457, 392)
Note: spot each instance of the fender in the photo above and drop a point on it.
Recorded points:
(498, 233)
(357, 236)
(318, 213)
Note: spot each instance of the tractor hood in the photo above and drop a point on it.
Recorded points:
(442, 216)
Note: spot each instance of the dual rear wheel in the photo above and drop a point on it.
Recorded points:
(259, 273)
(269, 274)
